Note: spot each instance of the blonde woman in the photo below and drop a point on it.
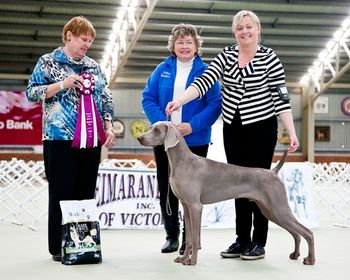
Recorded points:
(253, 95)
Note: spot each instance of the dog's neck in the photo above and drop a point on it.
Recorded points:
(174, 153)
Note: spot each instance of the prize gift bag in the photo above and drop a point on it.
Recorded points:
(80, 232)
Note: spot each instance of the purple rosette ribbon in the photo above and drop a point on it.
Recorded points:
(89, 126)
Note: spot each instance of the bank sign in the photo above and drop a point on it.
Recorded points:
(20, 120)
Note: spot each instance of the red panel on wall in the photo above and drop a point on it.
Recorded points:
(20, 120)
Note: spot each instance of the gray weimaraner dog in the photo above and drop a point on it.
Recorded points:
(196, 181)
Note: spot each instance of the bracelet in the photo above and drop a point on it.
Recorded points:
(61, 85)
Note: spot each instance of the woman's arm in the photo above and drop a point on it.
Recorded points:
(287, 121)
(189, 94)
(202, 83)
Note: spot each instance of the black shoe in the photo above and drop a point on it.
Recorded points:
(182, 248)
(171, 245)
(234, 251)
(57, 257)
(254, 252)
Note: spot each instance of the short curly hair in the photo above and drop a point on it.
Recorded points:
(181, 30)
(78, 26)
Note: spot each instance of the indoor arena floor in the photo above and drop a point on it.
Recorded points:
(135, 254)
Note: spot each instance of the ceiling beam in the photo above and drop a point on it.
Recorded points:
(10, 76)
(132, 43)
(331, 82)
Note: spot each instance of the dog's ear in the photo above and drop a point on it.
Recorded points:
(171, 137)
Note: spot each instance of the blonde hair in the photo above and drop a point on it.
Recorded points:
(78, 26)
(181, 30)
(239, 16)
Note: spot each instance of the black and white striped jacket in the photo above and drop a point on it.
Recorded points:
(252, 89)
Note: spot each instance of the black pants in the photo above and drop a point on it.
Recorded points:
(250, 145)
(171, 220)
(71, 174)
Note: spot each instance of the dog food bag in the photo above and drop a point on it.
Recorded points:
(80, 232)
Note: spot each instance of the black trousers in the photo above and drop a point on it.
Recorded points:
(250, 145)
(171, 216)
(72, 175)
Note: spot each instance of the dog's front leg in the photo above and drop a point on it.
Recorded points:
(195, 217)
(186, 255)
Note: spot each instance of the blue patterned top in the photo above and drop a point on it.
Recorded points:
(60, 111)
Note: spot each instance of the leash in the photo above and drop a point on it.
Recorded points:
(167, 202)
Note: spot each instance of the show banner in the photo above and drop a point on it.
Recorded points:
(20, 120)
(129, 199)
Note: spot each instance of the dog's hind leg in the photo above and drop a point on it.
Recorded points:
(296, 229)
(285, 219)
(309, 237)
(291, 224)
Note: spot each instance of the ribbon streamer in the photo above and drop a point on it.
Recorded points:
(89, 126)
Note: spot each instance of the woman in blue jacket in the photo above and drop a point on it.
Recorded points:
(194, 120)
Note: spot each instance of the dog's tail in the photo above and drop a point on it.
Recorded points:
(281, 162)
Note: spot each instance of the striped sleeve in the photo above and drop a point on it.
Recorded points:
(211, 75)
(276, 77)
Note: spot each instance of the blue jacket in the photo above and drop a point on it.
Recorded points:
(200, 113)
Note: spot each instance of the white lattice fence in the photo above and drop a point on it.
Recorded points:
(23, 190)
(332, 192)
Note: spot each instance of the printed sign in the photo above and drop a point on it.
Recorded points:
(129, 199)
(20, 120)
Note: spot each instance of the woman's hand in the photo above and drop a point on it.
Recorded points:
(189, 94)
(293, 143)
(172, 106)
(110, 138)
(73, 81)
(184, 128)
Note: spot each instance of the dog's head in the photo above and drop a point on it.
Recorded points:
(161, 133)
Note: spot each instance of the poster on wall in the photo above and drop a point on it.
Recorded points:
(20, 120)
(298, 181)
(321, 105)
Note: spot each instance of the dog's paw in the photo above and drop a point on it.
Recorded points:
(189, 262)
(309, 261)
(179, 259)
(294, 255)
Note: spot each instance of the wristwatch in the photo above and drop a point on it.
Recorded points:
(61, 85)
